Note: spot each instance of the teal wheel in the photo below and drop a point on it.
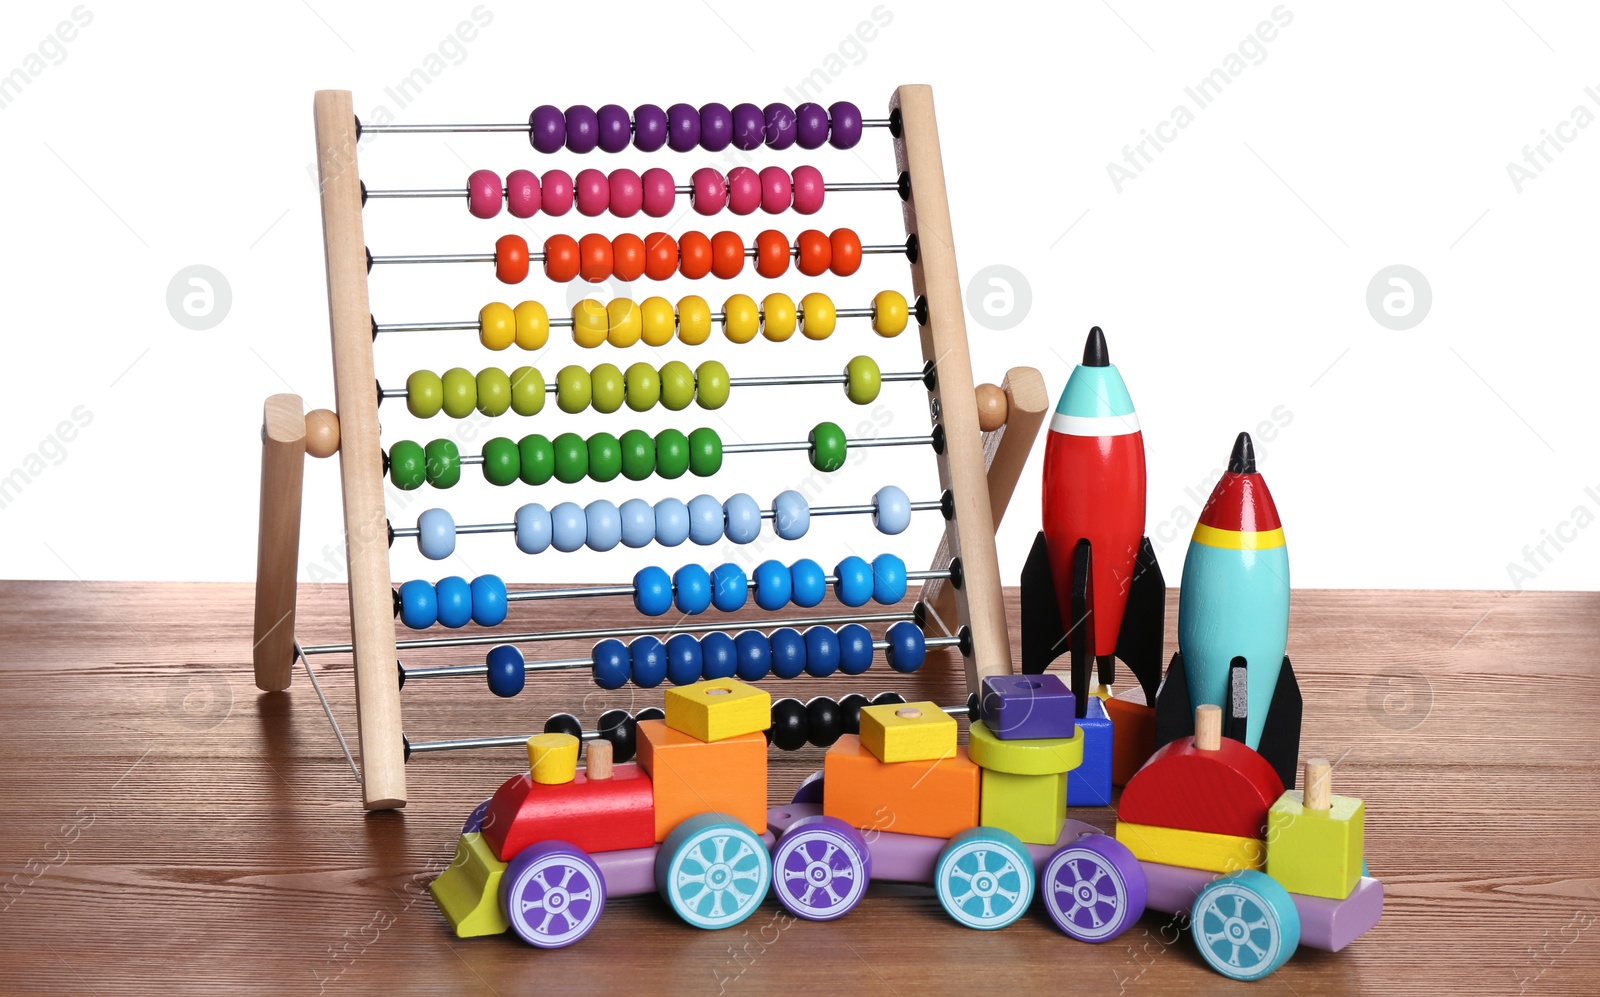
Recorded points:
(984, 878)
(1245, 925)
(713, 870)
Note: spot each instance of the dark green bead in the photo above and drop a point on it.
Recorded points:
(538, 459)
(605, 457)
(638, 455)
(672, 453)
(705, 452)
(827, 447)
(444, 464)
(406, 463)
(501, 462)
(572, 457)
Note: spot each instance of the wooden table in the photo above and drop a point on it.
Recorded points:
(166, 828)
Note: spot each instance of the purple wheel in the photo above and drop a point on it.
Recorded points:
(475, 819)
(809, 791)
(1094, 888)
(552, 893)
(821, 868)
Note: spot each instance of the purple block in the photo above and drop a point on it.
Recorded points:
(809, 791)
(475, 819)
(1015, 707)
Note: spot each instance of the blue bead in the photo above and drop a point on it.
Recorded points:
(533, 528)
(568, 526)
(649, 658)
(506, 672)
(891, 510)
(692, 587)
(488, 601)
(788, 653)
(888, 579)
(705, 520)
(455, 601)
(638, 522)
(822, 651)
(741, 518)
(772, 585)
(729, 587)
(755, 655)
(791, 515)
(419, 607)
(906, 647)
(611, 664)
(809, 583)
(672, 522)
(853, 581)
(855, 649)
(719, 657)
(652, 591)
(603, 525)
(683, 659)
(436, 534)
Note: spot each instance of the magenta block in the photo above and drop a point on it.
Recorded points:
(1015, 707)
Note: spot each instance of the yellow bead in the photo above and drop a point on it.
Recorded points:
(889, 313)
(533, 325)
(820, 318)
(741, 319)
(694, 320)
(624, 325)
(778, 318)
(656, 321)
(589, 323)
(497, 325)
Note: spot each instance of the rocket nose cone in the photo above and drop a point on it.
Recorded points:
(1094, 349)
(1243, 459)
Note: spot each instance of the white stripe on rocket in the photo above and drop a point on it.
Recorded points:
(1102, 425)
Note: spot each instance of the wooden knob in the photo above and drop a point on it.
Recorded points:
(993, 408)
(1319, 784)
(597, 759)
(1208, 727)
(322, 433)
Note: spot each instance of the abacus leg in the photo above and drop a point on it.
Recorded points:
(283, 448)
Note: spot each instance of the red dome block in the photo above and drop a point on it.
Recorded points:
(599, 815)
(1227, 791)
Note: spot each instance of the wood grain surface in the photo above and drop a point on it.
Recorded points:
(166, 828)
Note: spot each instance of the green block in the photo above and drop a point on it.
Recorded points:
(1316, 852)
(468, 893)
(1032, 807)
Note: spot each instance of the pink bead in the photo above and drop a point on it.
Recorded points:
(522, 193)
(483, 193)
(710, 193)
(776, 190)
(555, 199)
(594, 193)
(659, 192)
(627, 193)
(807, 190)
(744, 190)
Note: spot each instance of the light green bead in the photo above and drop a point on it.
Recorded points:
(460, 392)
(864, 380)
(644, 386)
(494, 391)
(573, 389)
(424, 394)
(527, 391)
(677, 385)
(607, 391)
(711, 384)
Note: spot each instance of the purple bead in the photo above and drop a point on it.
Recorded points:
(811, 125)
(649, 128)
(1093, 888)
(683, 127)
(821, 868)
(749, 127)
(547, 129)
(716, 127)
(615, 128)
(845, 119)
(779, 119)
(583, 128)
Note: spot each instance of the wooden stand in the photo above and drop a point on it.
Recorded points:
(283, 450)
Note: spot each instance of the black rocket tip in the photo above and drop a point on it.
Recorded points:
(1243, 460)
(1094, 349)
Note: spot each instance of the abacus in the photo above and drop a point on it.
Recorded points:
(979, 435)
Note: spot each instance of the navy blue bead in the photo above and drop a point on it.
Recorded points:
(907, 649)
(773, 585)
(488, 601)
(822, 651)
(419, 606)
(809, 582)
(788, 653)
(692, 585)
(855, 649)
(455, 601)
(683, 659)
(729, 587)
(719, 656)
(649, 658)
(652, 591)
(506, 672)
(853, 581)
(755, 655)
(611, 664)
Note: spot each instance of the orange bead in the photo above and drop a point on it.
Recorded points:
(694, 255)
(816, 253)
(660, 256)
(627, 257)
(772, 253)
(511, 259)
(846, 246)
(727, 255)
(561, 258)
(594, 258)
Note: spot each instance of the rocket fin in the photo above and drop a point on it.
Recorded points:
(1280, 736)
(1043, 636)
(1174, 715)
(1144, 621)
(1080, 635)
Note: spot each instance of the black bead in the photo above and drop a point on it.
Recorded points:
(790, 726)
(824, 719)
(850, 712)
(622, 731)
(974, 711)
(887, 698)
(564, 723)
(650, 713)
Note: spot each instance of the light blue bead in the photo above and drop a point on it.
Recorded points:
(455, 601)
(791, 515)
(853, 581)
(568, 526)
(891, 510)
(705, 520)
(488, 601)
(741, 518)
(683, 659)
(672, 522)
(773, 585)
(603, 525)
(691, 586)
(652, 591)
(533, 528)
(888, 579)
(419, 606)
(436, 534)
(808, 583)
(729, 587)
(638, 522)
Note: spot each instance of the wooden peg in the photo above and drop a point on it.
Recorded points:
(1208, 727)
(322, 433)
(1319, 784)
(597, 759)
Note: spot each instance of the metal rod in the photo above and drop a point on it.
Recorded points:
(461, 192)
(596, 591)
(472, 460)
(317, 687)
(743, 382)
(408, 532)
(566, 323)
(517, 127)
(750, 252)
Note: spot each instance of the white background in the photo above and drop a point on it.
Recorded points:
(1231, 274)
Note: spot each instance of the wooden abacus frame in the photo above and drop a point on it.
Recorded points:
(978, 470)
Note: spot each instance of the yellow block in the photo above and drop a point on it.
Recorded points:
(718, 709)
(552, 758)
(908, 732)
(468, 893)
(1028, 756)
(1032, 807)
(1192, 849)
(1316, 852)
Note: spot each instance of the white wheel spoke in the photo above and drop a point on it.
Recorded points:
(988, 908)
(528, 905)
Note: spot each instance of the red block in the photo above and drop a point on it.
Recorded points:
(1227, 791)
(599, 815)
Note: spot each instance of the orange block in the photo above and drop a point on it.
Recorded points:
(938, 799)
(692, 776)
(1133, 737)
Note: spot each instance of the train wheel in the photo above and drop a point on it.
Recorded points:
(984, 878)
(1094, 888)
(713, 870)
(552, 893)
(821, 868)
(1245, 925)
